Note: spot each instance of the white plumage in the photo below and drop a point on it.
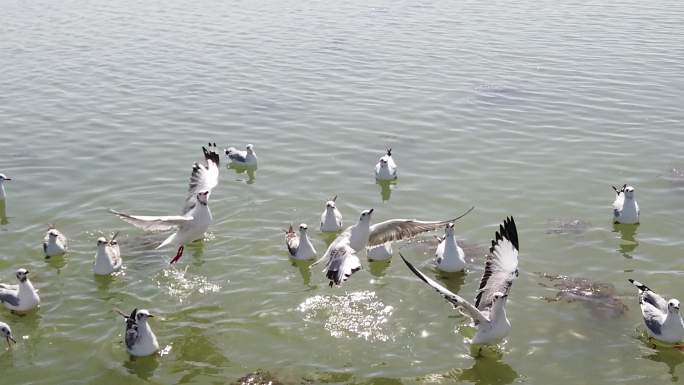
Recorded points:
(331, 219)
(625, 207)
(386, 169)
(661, 317)
(247, 157)
(139, 338)
(22, 297)
(54, 243)
(108, 257)
(449, 256)
(299, 246)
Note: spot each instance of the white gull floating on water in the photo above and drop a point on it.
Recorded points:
(625, 207)
(54, 243)
(662, 319)
(449, 256)
(331, 219)
(195, 217)
(108, 256)
(243, 158)
(501, 269)
(341, 256)
(299, 246)
(386, 169)
(139, 337)
(22, 297)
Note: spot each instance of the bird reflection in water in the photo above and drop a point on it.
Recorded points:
(628, 235)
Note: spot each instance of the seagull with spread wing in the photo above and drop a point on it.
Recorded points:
(195, 217)
(501, 269)
(341, 256)
(661, 317)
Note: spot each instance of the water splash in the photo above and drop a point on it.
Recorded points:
(359, 314)
(179, 284)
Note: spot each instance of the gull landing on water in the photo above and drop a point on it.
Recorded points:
(331, 219)
(625, 207)
(22, 297)
(195, 217)
(54, 243)
(139, 337)
(242, 158)
(662, 319)
(386, 169)
(299, 246)
(341, 259)
(108, 256)
(501, 269)
(7, 333)
(3, 178)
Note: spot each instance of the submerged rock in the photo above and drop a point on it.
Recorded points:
(600, 298)
(260, 377)
(565, 226)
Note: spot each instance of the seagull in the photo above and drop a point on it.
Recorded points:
(195, 217)
(54, 243)
(108, 257)
(501, 269)
(299, 246)
(331, 219)
(3, 178)
(625, 207)
(7, 333)
(449, 256)
(662, 319)
(243, 158)
(22, 297)
(140, 339)
(356, 238)
(386, 169)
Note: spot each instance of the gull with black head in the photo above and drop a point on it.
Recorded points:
(195, 217)
(501, 269)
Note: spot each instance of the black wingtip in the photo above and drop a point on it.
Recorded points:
(413, 269)
(389, 151)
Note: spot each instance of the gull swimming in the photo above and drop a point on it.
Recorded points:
(54, 243)
(195, 217)
(22, 297)
(449, 256)
(108, 256)
(3, 178)
(243, 158)
(386, 169)
(625, 207)
(139, 337)
(357, 237)
(662, 319)
(501, 269)
(6, 332)
(331, 219)
(299, 246)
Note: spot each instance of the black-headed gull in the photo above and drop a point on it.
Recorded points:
(108, 256)
(3, 178)
(331, 219)
(386, 169)
(242, 158)
(195, 217)
(139, 337)
(6, 332)
(501, 269)
(358, 237)
(22, 297)
(449, 256)
(299, 246)
(625, 207)
(662, 319)
(54, 243)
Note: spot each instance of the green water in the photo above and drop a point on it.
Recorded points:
(529, 108)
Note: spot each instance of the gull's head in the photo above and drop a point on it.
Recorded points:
(53, 234)
(449, 229)
(142, 315)
(673, 306)
(499, 297)
(101, 242)
(366, 215)
(7, 333)
(330, 205)
(629, 192)
(383, 162)
(203, 197)
(22, 275)
(303, 227)
(4, 177)
(250, 148)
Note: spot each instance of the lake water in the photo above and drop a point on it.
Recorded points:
(527, 108)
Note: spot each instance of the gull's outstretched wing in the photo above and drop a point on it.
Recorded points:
(292, 241)
(204, 176)
(454, 299)
(649, 296)
(152, 223)
(501, 265)
(397, 229)
(342, 263)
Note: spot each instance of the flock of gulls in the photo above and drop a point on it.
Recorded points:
(341, 259)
